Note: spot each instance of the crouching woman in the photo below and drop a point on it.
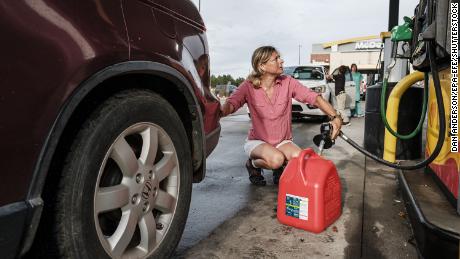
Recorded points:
(268, 95)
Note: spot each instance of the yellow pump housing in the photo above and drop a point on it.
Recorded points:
(389, 150)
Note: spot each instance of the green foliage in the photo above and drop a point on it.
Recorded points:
(225, 79)
(239, 80)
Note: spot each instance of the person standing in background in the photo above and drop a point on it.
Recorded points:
(340, 95)
(357, 78)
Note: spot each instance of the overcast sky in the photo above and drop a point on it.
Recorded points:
(236, 27)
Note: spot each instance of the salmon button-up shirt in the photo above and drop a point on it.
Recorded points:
(271, 118)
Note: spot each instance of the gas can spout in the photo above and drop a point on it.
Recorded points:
(324, 140)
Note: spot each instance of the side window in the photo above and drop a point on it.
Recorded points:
(317, 74)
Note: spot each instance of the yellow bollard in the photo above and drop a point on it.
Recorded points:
(389, 145)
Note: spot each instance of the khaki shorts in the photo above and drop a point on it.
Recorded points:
(251, 144)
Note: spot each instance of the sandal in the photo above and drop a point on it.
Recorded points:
(255, 174)
(277, 174)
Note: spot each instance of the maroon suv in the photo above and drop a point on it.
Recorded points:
(106, 120)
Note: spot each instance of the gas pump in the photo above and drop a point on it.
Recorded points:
(425, 41)
(425, 57)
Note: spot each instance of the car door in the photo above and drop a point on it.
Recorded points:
(349, 90)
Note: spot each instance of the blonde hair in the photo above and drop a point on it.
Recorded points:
(260, 56)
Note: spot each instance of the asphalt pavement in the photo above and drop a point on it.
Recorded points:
(230, 218)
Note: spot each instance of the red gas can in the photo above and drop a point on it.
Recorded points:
(309, 195)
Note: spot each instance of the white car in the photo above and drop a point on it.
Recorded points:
(313, 77)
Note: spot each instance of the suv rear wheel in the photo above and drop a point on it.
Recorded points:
(126, 186)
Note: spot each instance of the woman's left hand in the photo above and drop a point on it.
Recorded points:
(336, 126)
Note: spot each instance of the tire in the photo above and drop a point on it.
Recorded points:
(124, 190)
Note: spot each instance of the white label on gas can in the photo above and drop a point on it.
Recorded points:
(297, 206)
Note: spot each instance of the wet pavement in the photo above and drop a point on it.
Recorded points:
(230, 218)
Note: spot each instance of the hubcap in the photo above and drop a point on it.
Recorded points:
(136, 192)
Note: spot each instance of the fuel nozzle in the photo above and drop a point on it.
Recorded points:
(324, 140)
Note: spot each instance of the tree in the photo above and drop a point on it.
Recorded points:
(225, 79)
(239, 80)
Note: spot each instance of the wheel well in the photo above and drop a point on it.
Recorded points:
(98, 95)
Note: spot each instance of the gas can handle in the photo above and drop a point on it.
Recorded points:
(309, 152)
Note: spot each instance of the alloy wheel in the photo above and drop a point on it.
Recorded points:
(136, 192)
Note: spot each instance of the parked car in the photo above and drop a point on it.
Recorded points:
(350, 90)
(313, 77)
(106, 119)
(224, 90)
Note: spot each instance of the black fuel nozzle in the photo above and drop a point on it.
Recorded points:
(324, 140)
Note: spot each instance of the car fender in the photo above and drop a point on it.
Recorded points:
(91, 83)
(55, 134)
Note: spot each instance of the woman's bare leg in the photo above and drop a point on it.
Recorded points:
(290, 150)
(268, 157)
